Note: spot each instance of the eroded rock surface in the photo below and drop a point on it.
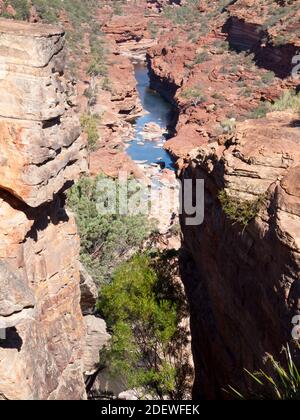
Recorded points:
(41, 149)
(40, 138)
(243, 283)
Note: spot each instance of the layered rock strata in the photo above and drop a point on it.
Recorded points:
(243, 283)
(42, 151)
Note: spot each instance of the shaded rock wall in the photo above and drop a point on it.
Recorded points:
(243, 285)
(246, 36)
(41, 150)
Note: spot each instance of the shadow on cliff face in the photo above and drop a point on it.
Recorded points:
(12, 340)
(237, 285)
(252, 38)
(43, 215)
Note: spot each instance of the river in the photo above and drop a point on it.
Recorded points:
(157, 111)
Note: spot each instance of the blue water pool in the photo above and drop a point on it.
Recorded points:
(158, 111)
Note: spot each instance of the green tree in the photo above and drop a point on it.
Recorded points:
(106, 239)
(89, 123)
(143, 307)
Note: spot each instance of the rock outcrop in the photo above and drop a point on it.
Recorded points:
(243, 283)
(158, 5)
(42, 151)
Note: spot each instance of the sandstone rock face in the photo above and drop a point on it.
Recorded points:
(243, 284)
(37, 126)
(88, 290)
(97, 338)
(41, 149)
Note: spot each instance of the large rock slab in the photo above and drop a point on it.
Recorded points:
(15, 295)
(35, 158)
(97, 337)
(41, 357)
(29, 45)
(42, 333)
(40, 137)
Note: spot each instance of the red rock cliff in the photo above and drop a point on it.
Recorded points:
(41, 151)
(242, 283)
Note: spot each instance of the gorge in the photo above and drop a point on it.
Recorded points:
(198, 90)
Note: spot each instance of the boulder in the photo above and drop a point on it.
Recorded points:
(96, 338)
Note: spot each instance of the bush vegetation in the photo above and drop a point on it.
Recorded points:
(289, 100)
(21, 7)
(78, 11)
(99, 51)
(117, 6)
(228, 125)
(190, 16)
(91, 94)
(202, 57)
(194, 94)
(240, 211)
(89, 123)
(106, 240)
(153, 29)
(144, 306)
(281, 382)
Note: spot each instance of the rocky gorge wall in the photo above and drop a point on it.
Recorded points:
(242, 282)
(42, 151)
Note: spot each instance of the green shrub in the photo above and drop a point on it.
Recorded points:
(105, 239)
(240, 211)
(118, 6)
(21, 7)
(228, 125)
(143, 309)
(289, 100)
(78, 11)
(202, 57)
(89, 124)
(194, 94)
(185, 15)
(91, 94)
(153, 29)
(221, 46)
(281, 383)
(260, 111)
(107, 85)
(268, 78)
(246, 92)
(219, 96)
(98, 65)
